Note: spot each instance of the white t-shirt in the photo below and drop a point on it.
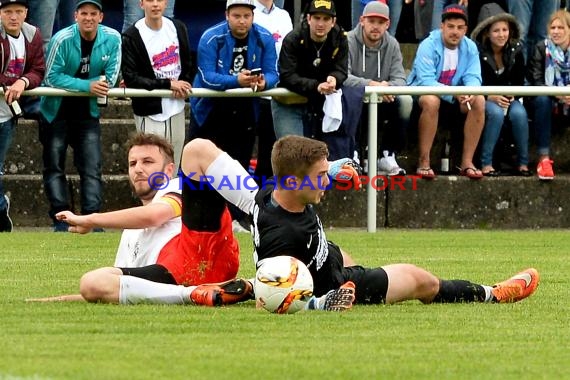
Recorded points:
(276, 20)
(141, 247)
(14, 69)
(163, 50)
(450, 59)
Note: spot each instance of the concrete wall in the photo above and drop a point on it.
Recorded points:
(446, 202)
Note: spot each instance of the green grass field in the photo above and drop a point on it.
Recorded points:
(527, 340)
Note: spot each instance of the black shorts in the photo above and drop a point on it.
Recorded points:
(371, 283)
(154, 272)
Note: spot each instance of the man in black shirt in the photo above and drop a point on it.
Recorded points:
(285, 223)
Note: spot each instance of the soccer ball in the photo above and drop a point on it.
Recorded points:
(282, 285)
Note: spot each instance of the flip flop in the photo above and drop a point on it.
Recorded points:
(471, 173)
(425, 173)
(491, 173)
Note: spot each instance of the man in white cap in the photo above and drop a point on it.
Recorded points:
(375, 59)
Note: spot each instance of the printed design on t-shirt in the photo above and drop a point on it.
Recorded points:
(15, 68)
(84, 64)
(166, 62)
(239, 54)
(446, 77)
(277, 36)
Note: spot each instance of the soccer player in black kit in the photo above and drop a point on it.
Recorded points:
(285, 223)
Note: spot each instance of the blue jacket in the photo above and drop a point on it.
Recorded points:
(63, 56)
(428, 64)
(215, 54)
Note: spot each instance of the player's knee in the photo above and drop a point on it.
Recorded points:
(427, 285)
(89, 287)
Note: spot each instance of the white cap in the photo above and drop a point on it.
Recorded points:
(247, 3)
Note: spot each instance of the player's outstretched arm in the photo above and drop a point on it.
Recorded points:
(152, 215)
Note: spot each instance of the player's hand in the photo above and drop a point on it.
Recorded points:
(345, 169)
(76, 222)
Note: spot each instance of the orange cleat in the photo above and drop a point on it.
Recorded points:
(222, 293)
(518, 287)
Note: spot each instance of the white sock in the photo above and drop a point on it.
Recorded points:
(230, 179)
(488, 293)
(134, 290)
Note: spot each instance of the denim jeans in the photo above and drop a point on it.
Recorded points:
(6, 132)
(542, 123)
(438, 6)
(395, 11)
(84, 137)
(533, 16)
(494, 120)
(43, 13)
(132, 12)
(289, 119)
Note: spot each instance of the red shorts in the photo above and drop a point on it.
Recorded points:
(195, 257)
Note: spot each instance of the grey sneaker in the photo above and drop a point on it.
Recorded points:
(6, 224)
(387, 165)
(340, 299)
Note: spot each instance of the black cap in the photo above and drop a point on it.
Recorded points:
(3, 3)
(454, 11)
(322, 6)
(97, 3)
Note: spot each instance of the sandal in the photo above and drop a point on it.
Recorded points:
(491, 173)
(471, 173)
(523, 172)
(425, 173)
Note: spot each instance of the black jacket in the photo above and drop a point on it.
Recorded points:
(298, 53)
(536, 65)
(138, 73)
(513, 61)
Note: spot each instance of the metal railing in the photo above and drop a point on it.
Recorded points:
(373, 95)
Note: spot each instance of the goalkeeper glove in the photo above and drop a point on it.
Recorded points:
(345, 170)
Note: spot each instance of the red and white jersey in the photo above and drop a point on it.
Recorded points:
(141, 247)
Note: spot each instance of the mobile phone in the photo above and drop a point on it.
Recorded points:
(255, 71)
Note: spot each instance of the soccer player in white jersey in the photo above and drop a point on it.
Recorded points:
(181, 235)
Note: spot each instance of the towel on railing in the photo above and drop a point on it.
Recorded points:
(332, 109)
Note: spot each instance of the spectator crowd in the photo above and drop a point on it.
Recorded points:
(259, 46)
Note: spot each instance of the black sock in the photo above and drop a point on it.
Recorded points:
(459, 291)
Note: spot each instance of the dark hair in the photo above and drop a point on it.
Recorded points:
(294, 155)
(141, 139)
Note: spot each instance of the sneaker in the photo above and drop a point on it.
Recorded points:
(518, 287)
(60, 226)
(387, 165)
(222, 293)
(544, 170)
(340, 299)
(6, 224)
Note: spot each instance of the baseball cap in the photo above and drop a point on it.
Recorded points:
(376, 9)
(322, 6)
(3, 3)
(97, 3)
(247, 3)
(454, 11)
